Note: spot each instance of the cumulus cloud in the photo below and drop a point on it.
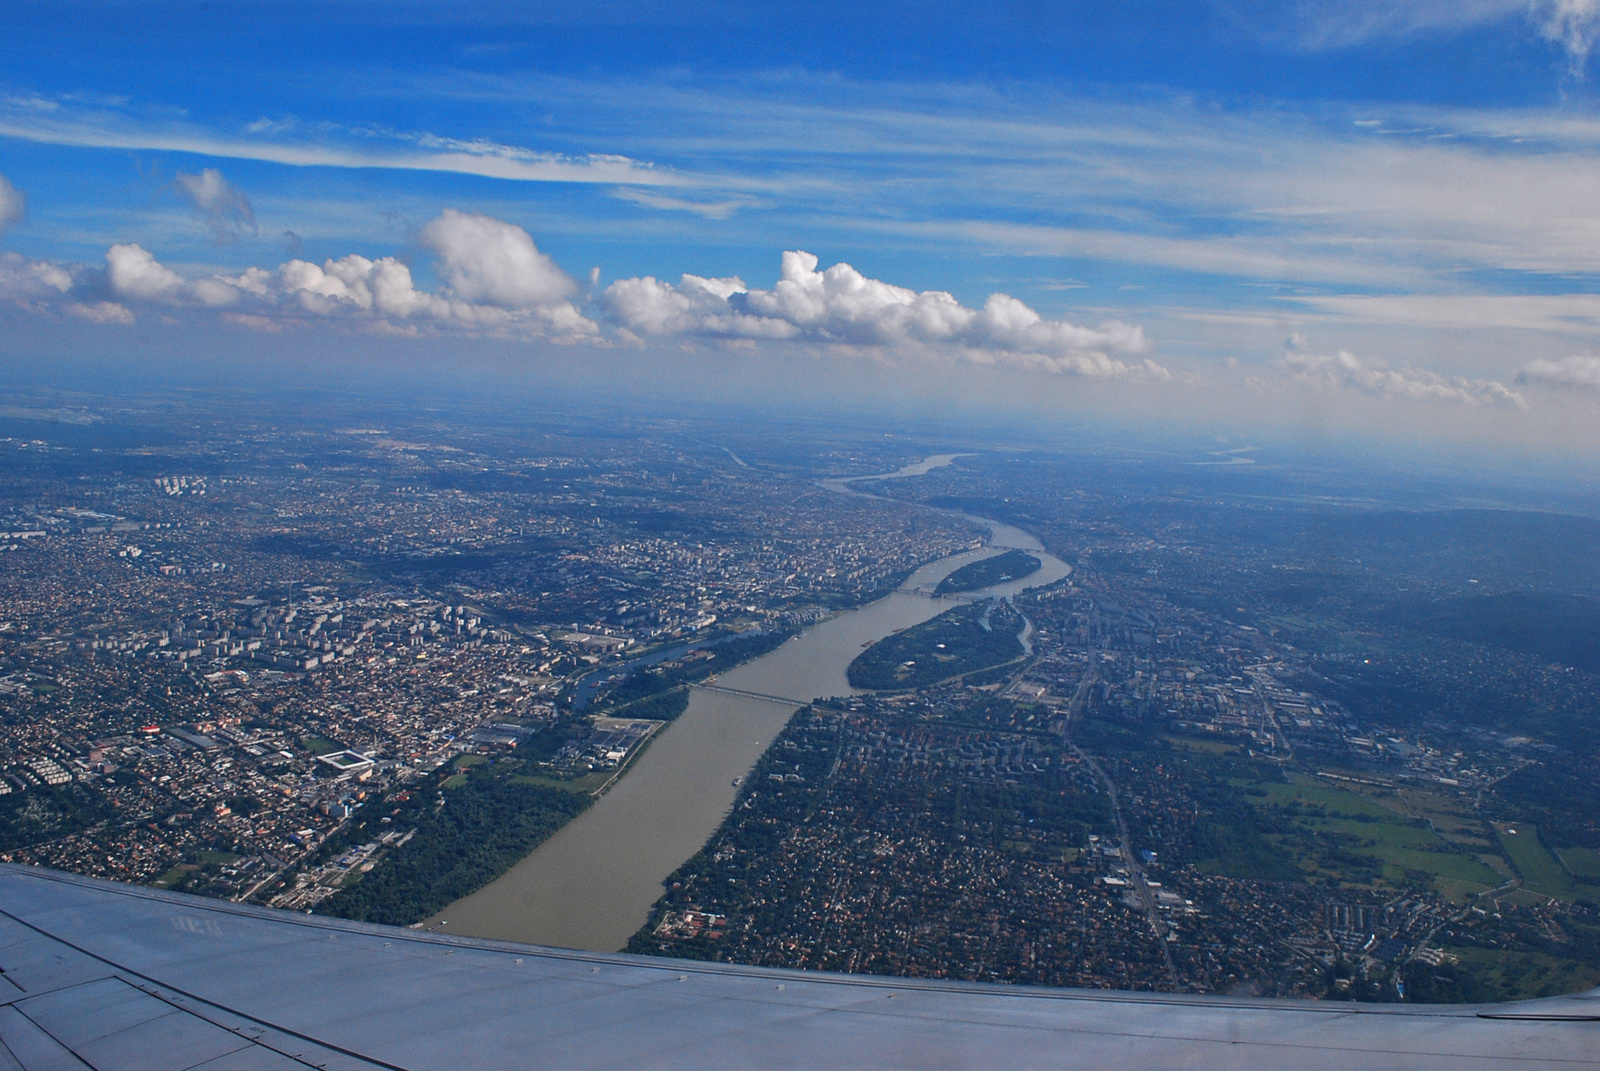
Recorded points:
(133, 272)
(495, 281)
(483, 259)
(497, 288)
(1347, 371)
(22, 278)
(494, 277)
(13, 205)
(383, 286)
(1581, 372)
(218, 203)
(842, 306)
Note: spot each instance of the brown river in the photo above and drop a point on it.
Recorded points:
(592, 884)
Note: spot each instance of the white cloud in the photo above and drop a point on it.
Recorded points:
(717, 209)
(24, 279)
(1579, 371)
(1570, 314)
(133, 272)
(1279, 193)
(1324, 24)
(352, 282)
(108, 125)
(502, 286)
(13, 205)
(1572, 24)
(483, 259)
(842, 306)
(1347, 371)
(101, 312)
(496, 281)
(218, 203)
(1332, 24)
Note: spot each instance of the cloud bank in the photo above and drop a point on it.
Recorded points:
(1368, 375)
(840, 306)
(1581, 372)
(495, 281)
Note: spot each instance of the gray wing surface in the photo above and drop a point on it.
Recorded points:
(111, 977)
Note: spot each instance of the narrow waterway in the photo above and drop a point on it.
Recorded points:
(591, 886)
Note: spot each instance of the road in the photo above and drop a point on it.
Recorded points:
(1141, 885)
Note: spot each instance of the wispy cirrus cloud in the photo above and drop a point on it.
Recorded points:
(1369, 215)
(67, 123)
(1378, 195)
(1327, 24)
(1555, 314)
(722, 208)
(1573, 24)
(1371, 196)
(1314, 25)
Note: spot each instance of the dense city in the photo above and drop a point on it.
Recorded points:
(210, 673)
(256, 661)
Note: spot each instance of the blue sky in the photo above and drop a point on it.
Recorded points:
(1361, 215)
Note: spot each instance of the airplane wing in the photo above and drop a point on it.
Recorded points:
(113, 977)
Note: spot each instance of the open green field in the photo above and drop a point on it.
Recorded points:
(1348, 835)
(1584, 864)
(588, 783)
(1452, 819)
(174, 877)
(196, 871)
(1205, 745)
(1541, 872)
(1315, 792)
(1526, 975)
